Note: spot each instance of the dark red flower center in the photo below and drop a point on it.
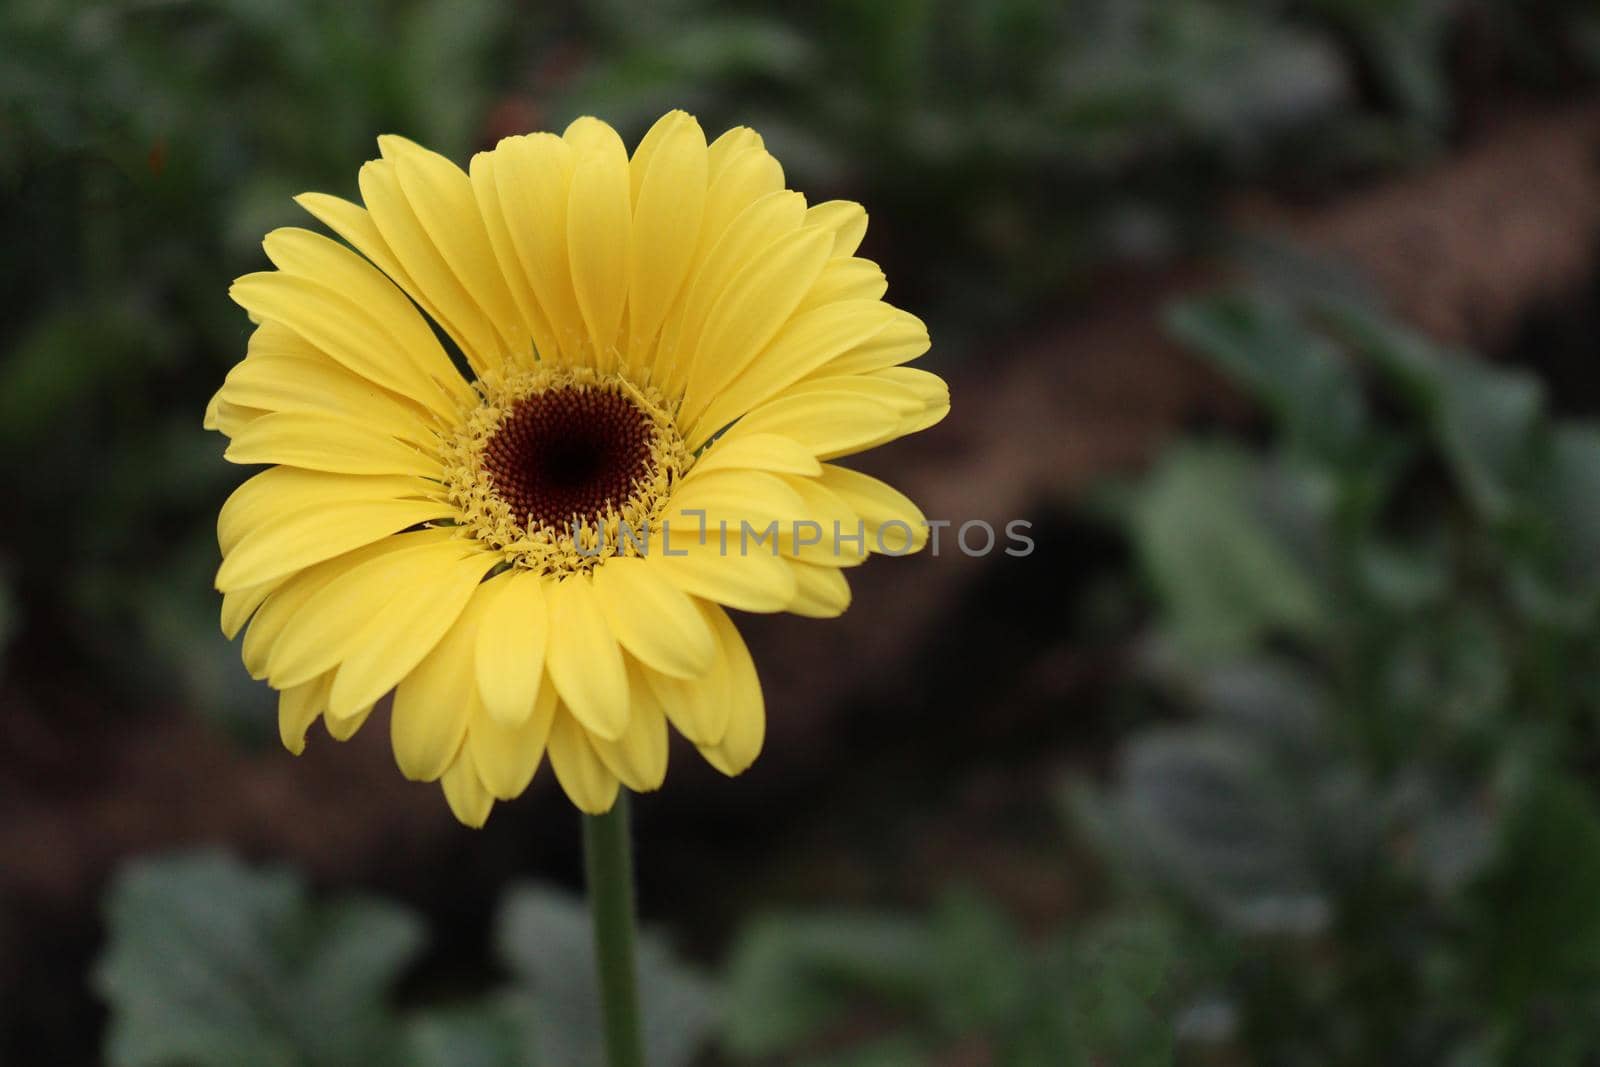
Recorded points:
(569, 454)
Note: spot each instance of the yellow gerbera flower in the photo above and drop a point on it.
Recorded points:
(533, 545)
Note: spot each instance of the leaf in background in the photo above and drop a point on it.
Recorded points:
(790, 977)
(1485, 419)
(1122, 1000)
(1301, 378)
(1557, 565)
(213, 964)
(496, 1033)
(982, 966)
(1539, 922)
(1209, 813)
(545, 939)
(1225, 576)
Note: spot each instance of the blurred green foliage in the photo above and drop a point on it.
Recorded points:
(215, 964)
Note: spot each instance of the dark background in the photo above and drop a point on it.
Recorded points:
(1277, 320)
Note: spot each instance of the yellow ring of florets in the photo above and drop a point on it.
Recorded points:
(538, 546)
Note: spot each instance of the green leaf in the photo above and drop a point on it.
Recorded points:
(790, 977)
(1301, 378)
(983, 968)
(1213, 530)
(1485, 420)
(545, 939)
(498, 1032)
(213, 963)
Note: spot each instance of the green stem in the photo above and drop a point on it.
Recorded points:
(608, 859)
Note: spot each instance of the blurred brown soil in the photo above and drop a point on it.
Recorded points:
(1463, 248)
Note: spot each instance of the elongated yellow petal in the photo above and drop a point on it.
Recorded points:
(316, 384)
(697, 708)
(440, 195)
(846, 279)
(343, 729)
(757, 451)
(894, 524)
(599, 225)
(284, 603)
(329, 628)
(738, 179)
(751, 581)
(587, 781)
(639, 757)
(511, 648)
(845, 219)
(349, 333)
(284, 490)
(486, 191)
(320, 442)
(750, 312)
(836, 536)
(319, 259)
(298, 708)
(508, 756)
(239, 605)
(533, 175)
(740, 244)
(806, 342)
(821, 592)
(433, 703)
(669, 194)
(383, 188)
(354, 223)
(584, 661)
(652, 618)
(388, 647)
(470, 802)
(747, 715)
(284, 544)
(827, 424)
(901, 341)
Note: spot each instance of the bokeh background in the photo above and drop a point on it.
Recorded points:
(1278, 321)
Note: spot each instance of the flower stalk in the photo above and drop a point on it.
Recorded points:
(608, 862)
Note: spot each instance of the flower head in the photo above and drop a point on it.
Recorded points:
(531, 428)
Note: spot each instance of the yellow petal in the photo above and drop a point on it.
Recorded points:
(343, 729)
(845, 279)
(583, 659)
(395, 212)
(591, 136)
(330, 627)
(433, 703)
(652, 619)
(845, 219)
(669, 193)
(750, 311)
(533, 176)
(328, 263)
(901, 341)
(753, 581)
(511, 647)
(587, 781)
(742, 243)
(268, 624)
(697, 708)
(837, 536)
(806, 342)
(469, 801)
(826, 424)
(821, 592)
(486, 191)
(313, 383)
(441, 196)
(359, 340)
(355, 224)
(239, 605)
(737, 179)
(388, 647)
(599, 225)
(508, 756)
(747, 716)
(298, 708)
(639, 757)
(283, 490)
(319, 442)
(283, 544)
(894, 524)
(757, 451)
